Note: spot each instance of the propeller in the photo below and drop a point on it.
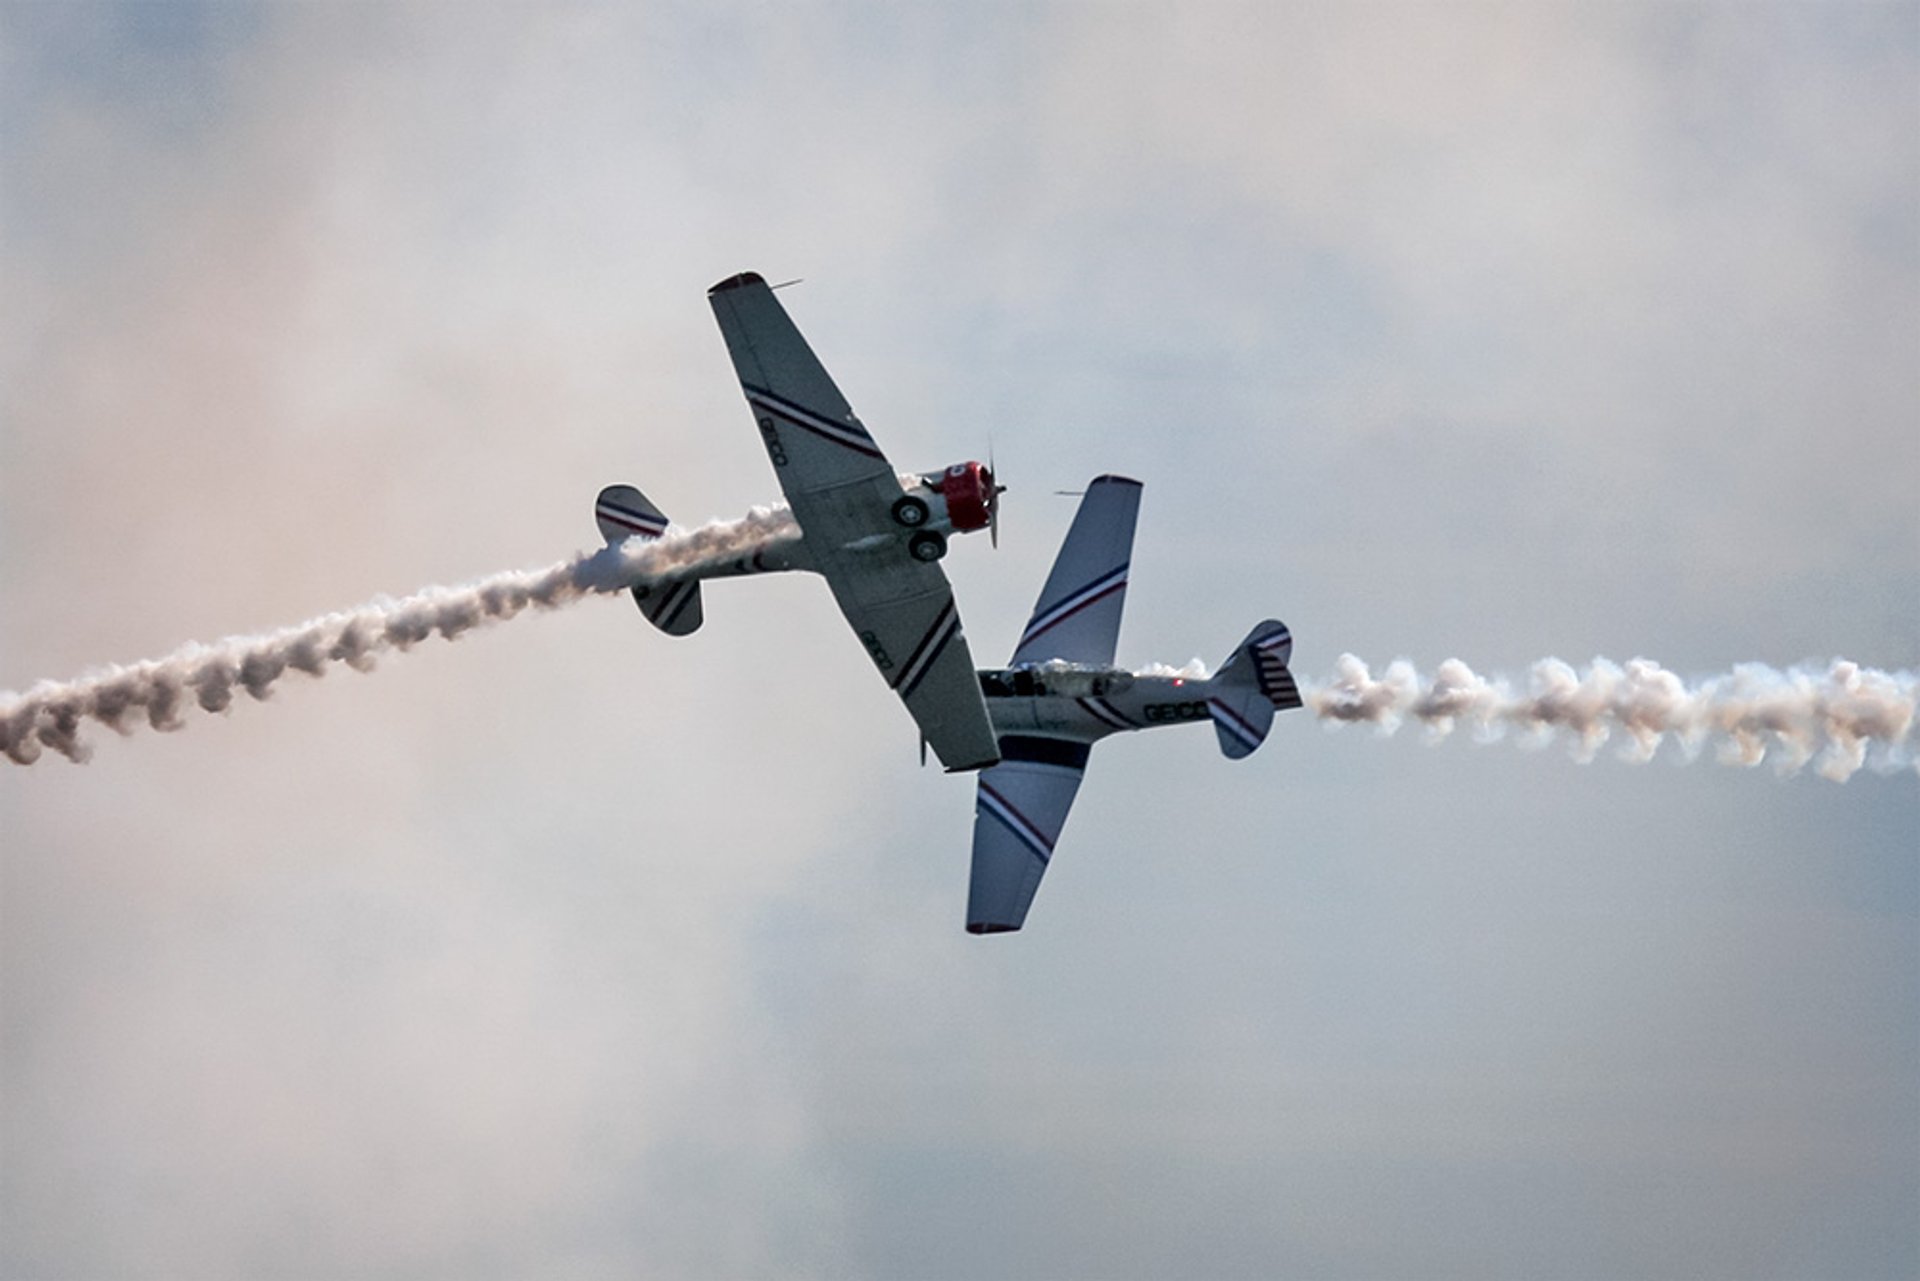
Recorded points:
(994, 490)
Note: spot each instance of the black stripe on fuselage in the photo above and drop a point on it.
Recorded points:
(1104, 712)
(1044, 751)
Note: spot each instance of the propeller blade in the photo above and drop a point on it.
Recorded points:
(993, 498)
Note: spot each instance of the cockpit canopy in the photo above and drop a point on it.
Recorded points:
(1053, 680)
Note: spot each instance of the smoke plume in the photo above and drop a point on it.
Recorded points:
(160, 692)
(1846, 715)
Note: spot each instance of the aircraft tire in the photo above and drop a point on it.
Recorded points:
(927, 545)
(910, 511)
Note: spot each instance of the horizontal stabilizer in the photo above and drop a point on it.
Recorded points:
(1241, 720)
(672, 607)
(623, 512)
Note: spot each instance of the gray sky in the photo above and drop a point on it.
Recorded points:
(1486, 331)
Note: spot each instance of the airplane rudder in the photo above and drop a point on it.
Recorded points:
(1261, 661)
(1253, 684)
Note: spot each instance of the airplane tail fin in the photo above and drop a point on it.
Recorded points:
(623, 512)
(1250, 687)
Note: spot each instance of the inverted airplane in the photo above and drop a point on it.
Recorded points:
(875, 537)
(1062, 693)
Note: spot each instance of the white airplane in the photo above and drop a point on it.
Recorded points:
(1062, 694)
(875, 538)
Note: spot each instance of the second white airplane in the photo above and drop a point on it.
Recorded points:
(1062, 693)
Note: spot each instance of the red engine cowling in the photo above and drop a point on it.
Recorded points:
(968, 489)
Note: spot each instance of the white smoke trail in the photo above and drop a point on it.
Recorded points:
(1848, 715)
(160, 691)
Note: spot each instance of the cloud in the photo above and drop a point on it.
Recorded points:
(573, 949)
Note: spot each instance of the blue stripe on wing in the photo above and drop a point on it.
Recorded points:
(1023, 828)
(1053, 615)
(946, 625)
(851, 435)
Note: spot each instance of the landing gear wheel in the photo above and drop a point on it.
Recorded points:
(927, 545)
(911, 512)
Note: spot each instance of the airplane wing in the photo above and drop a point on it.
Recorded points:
(842, 490)
(1078, 614)
(1019, 810)
(811, 433)
(1023, 801)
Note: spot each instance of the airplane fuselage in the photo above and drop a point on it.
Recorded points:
(1085, 704)
(930, 509)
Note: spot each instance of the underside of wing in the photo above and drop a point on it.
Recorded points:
(807, 426)
(916, 641)
(843, 492)
(1019, 812)
(1078, 615)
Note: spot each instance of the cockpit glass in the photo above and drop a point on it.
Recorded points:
(1053, 681)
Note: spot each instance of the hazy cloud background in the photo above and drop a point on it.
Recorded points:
(573, 950)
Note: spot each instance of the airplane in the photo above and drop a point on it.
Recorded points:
(875, 536)
(1062, 693)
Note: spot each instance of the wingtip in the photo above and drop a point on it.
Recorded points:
(737, 282)
(989, 927)
(1112, 479)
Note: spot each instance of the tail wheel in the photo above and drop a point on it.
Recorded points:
(928, 544)
(912, 512)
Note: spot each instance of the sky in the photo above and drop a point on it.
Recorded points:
(569, 949)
